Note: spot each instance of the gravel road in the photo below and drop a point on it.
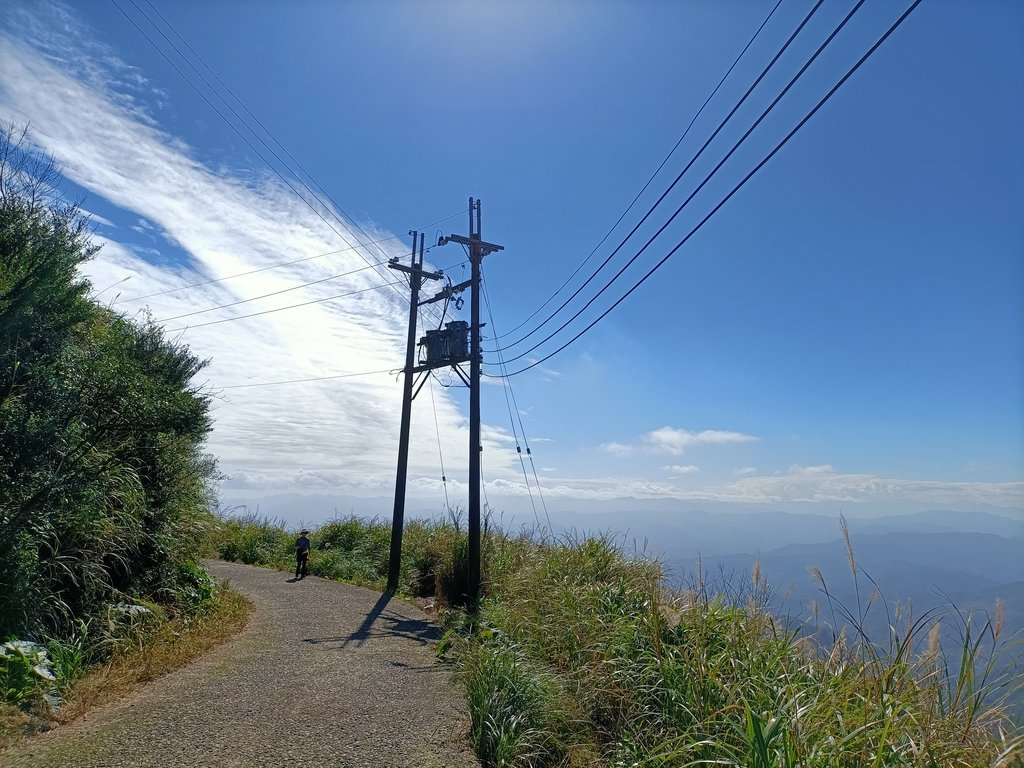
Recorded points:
(326, 674)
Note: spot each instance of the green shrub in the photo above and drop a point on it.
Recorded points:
(74, 654)
(253, 541)
(26, 672)
(514, 707)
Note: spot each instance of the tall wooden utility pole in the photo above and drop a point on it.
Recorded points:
(416, 275)
(477, 250)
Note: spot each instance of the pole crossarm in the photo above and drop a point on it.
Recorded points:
(473, 242)
(448, 292)
(434, 366)
(393, 264)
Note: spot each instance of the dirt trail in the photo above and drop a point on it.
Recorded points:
(326, 674)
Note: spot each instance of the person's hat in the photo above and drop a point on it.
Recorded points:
(304, 530)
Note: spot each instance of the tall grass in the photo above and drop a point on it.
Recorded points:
(578, 655)
(353, 549)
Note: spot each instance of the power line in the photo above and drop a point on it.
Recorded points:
(277, 266)
(651, 179)
(282, 309)
(700, 186)
(226, 87)
(347, 225)
(437, 431)
(220, 114)
(264, 296)
(511, 403)
(664, 194)
(735, 189)
(301, 381)
(508, 405)
(272, 293)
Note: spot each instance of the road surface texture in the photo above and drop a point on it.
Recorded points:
(325, 674)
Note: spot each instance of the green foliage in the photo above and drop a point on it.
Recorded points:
(104, 485)
(515, 707)
(696, 678)
(72, 655)
(353, 549)
(26, 672)
(251, 540)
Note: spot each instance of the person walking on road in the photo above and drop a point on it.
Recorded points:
(302, 554)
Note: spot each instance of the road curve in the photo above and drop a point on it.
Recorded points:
(325, 674)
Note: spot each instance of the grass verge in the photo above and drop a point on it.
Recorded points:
(170, 646)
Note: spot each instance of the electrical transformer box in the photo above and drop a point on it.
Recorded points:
(435, 345)
(450, 345)
(458, 339)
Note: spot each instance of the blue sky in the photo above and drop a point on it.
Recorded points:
(847, 330)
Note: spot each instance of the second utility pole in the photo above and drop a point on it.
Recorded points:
(416, 275)
(477, 250)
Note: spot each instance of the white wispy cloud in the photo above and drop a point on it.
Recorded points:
(674, 441)
(616, 449)
(825, 483)
(678, 470)
(95, 218)
(797, 485)
(84, 107)
(596, 489)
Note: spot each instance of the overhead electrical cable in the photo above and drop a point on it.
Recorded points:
(231, 125)
(650, 180)
(440, 454)
(264, 296)
(735, 189)
(250, 272)
(677, 179)
(351, 220)
(483, 488)
(278, 266)
(347, 225)
(511, 418)
(513, 406)
(272, 293)
(700, 186)
(282, 309)
(302, 381)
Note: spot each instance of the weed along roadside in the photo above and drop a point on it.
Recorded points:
(134, 649)
(579, 656)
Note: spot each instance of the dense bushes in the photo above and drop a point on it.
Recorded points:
(353, 549)
(104, 486)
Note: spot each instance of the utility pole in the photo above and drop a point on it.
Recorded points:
(416, 275)
(477, 250)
